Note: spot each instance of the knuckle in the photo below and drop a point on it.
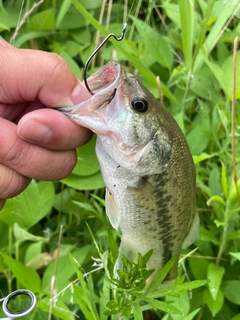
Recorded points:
(59, 65)
(11, 182)
(66, 165)
(16, 155)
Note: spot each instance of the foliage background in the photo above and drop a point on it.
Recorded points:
(189, 45)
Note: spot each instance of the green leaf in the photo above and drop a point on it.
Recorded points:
(87, 160)
(214, 181)
(225, 11)
(217, 72)
(65, 270)
(197, 140)
(137, 312)
(231, 290)
(164, 306)
(30, 206)
(206, 21)
(227, 69)
(172, 11)
(9, 18)
(59, 309)
(182, 302)
(204, 85)
(237, 317)
(94, 181)
(26, 276)
(235, 255)
(4, 27)
(192, 314)
(160, 53)
(63, 11)
(203, 156)
(206, 235)
(68, 200)
(32, 251)
(217, 199)
(234, 235)
(215, 304)
(198, 267)
(22, 235)
(113, 249)
(27, 36)
(161, 275)
(186, 16)
(42, 21)
(215, 274)
(104, 299)
(233, 192)
(85, 297)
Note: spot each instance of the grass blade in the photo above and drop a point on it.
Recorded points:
(186, 17)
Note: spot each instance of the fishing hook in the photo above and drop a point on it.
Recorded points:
(124, 27)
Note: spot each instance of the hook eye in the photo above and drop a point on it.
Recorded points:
(10, 299)
(124, 27)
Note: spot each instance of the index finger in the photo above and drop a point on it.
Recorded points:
(28, 75)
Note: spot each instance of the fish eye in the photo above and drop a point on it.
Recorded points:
(139, 104)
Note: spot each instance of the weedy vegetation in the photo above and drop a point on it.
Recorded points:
(55, 237)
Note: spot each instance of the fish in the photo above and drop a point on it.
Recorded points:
(146, 165)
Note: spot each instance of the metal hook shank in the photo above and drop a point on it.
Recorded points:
(96, 50)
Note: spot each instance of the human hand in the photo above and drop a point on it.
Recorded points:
(36, 142)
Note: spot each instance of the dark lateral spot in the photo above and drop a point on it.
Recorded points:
(118, 166)
(168, 198)
(114, 186)
(152, 229)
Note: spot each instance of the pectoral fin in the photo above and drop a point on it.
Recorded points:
(112, 210)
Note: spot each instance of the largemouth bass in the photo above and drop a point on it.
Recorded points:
(146, 165)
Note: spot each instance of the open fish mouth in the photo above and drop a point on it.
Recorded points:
(104, 83)
(107, 78)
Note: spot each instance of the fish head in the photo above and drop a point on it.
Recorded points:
(127, 119)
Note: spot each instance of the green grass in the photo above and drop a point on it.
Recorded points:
(194, 60)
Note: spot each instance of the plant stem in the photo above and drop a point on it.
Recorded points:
(9, 275)
(224, 235)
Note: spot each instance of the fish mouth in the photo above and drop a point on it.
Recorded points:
(104, 83)
(106, 78)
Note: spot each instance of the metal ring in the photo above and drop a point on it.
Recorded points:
(12, 314)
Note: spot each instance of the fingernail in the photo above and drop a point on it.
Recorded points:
(35, 132)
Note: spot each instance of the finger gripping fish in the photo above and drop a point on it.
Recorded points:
(146, 165)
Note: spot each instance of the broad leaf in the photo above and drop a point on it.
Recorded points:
(215, 274)
(30, 206)
(26, 276)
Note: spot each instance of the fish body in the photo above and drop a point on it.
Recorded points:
(146, 165)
